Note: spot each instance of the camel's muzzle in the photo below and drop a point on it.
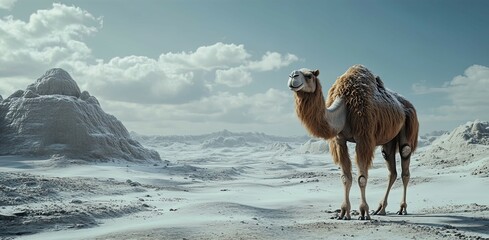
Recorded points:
(296, 81)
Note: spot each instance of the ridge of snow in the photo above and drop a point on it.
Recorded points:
(314, 146)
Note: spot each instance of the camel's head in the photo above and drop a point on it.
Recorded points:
(304, 80)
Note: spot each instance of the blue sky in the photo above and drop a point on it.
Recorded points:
(190, 67)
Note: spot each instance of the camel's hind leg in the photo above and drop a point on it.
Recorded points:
(339, 150)
(405, 152)
(389, 153)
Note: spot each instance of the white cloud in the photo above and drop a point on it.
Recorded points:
(466, 97)
(176, 77)
(54, 38)
(241, 75)
(9, 85)
(218, 55)
(421, 88)
(470, 89)
(7, 4)
(268, 107)
(272, 61)
(233, 77)
(50, 38)
(140, 79)
(271, 108)
(175, 87)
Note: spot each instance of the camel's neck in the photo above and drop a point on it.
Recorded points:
(311, 109)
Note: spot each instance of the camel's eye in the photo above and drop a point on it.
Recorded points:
(308, 77)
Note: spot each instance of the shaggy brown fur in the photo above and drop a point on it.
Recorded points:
(308, 107)
(374, 116)
(411, 124)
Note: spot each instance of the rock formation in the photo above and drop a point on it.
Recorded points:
(52, 117)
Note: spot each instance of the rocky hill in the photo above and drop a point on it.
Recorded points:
(52, 117)
(467, 147)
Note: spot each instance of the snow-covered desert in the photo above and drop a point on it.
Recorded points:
(243, 186)
(71, 171)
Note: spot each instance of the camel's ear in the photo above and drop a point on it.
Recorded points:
(316, 72)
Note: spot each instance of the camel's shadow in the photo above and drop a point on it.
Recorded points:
(448, 222)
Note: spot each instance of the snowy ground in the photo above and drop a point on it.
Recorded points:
(239, 187)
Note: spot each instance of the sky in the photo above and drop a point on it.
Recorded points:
(171, 67)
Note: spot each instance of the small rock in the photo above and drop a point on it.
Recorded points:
(76, 201)
(20, 213)
(133, 183)
(46, 213)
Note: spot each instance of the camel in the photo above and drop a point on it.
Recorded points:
(361, 110)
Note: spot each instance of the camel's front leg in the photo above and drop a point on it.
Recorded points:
(389, 153)
(346, 178)
(339, 151)
(364, 155)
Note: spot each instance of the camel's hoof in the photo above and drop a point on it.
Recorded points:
(402, 213)
(343, 218)
(379, 212)
(364, 218)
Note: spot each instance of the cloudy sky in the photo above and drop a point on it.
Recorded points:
(192, 67)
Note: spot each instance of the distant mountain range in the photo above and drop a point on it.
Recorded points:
(248, 137)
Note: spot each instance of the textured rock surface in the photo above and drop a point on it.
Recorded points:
(466, 147)
(55, 81)
(476, 132)
(53, 117)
